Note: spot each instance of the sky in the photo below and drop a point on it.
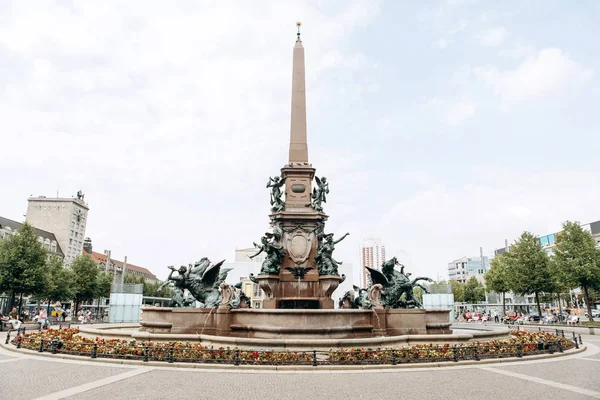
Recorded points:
(442, 126)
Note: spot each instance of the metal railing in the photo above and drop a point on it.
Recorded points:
(23, 329)
(169, 353)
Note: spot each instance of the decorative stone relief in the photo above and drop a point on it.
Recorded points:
(299, 244)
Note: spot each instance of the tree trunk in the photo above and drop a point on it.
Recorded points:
(76, 309)
(588, 303)
(503, 304)
(20, 305)
(11, 301)
(560, 313)
(537, 301)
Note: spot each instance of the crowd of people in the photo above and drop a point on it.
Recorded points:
(518, 317)
(14, 320)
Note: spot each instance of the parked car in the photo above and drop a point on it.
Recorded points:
(595, 313)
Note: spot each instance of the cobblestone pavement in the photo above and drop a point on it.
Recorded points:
(570, 377)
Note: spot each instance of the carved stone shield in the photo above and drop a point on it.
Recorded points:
(299, 244)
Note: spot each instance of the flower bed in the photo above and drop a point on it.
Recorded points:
(520, 344)
(67, 341)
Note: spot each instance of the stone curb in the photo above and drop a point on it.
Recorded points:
(259, 368)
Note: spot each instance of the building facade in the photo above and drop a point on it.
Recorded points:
(116, 266)
(66, 218)
(462, 269)
(48, 239)
(372, 254)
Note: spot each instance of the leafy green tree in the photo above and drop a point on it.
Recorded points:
(529, 269)
(85, 279)
(22, 260)
(558, 283)
(497, 278)
(103, 286)
(474, 291)
(418, 293)
(577, 260)
(151, 290)
(458, 290)
(132, 278)
(58, 281)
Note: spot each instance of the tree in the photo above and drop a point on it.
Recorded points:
(577, 260)
(58, 281)
(22, 260)
(474, 291)
(458, 290)
(103, 285)
(497, 278)
(418, 293)
(85, 279)
(132, 278)
(528, 266)
(151, 290)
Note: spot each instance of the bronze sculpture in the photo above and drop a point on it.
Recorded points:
(275, 183)
(326, 264)
(396, 288)
(275, 255)
(319, 193)
(177, 298)
(299, 271)
(202, 281)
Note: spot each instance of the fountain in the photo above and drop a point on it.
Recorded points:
(298, 277)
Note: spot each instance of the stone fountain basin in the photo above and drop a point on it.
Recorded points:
(295, 323)
(295, 329)
(132, 331)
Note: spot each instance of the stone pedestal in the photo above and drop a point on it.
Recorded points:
(327, 285)
(298, 223)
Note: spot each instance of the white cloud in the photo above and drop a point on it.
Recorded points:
(442, 222)
(442, 43)
(518, 51)
(458, 113)
(493, 37)
(167, 113)
(547, 72)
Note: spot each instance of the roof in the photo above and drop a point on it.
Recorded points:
(101, 258)
(14, 225)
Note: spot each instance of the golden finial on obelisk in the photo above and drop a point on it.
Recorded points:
(298, 24)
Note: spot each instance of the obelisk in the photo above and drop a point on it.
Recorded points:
(298, 172)
(298, 145)
(299, 222)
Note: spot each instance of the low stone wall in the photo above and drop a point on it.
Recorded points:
(278, 323)
(302, 324)
(129, 331)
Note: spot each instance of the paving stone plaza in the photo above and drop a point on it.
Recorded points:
(26, 375)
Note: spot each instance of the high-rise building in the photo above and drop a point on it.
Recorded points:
(65, 217)
(372, 254)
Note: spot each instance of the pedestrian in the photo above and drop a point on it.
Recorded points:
(13, 318)
(496, 318)
(43, 319)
